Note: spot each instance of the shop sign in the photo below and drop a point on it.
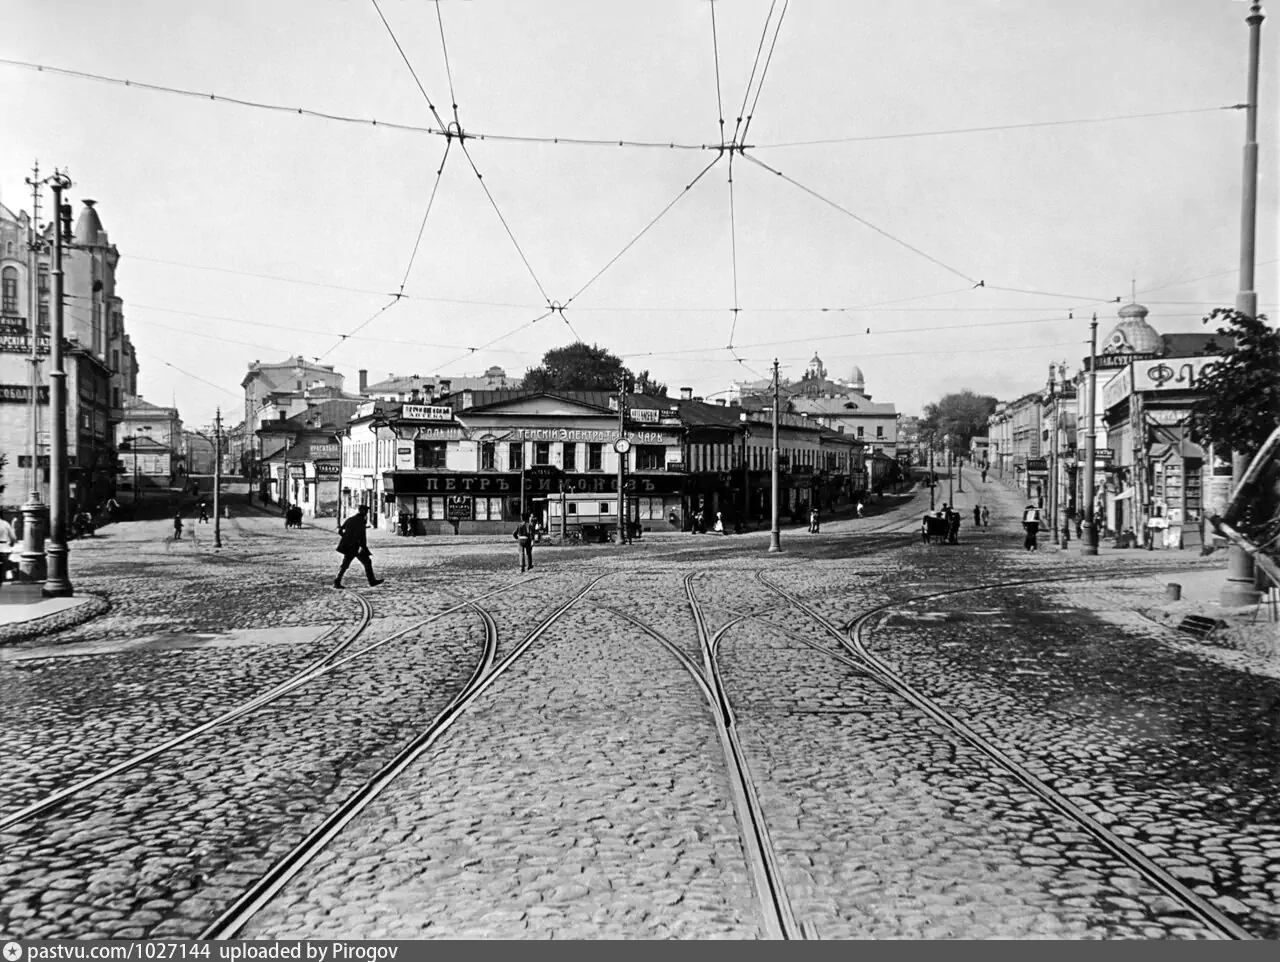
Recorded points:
(549, 471)
(1166, 417)
(1117, 389)
(21, 394)
(675, 466)
(438, 434)
(1175, 374)
(412, 482)
(1037, 464)
(426, 412)
(328, 470)
(297, 470)
(589, 436)
(1113, 361)
(323, 450)
(644, 415)
(458, 508)
(404, 456)
(21, 343)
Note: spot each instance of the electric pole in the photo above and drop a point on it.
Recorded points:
(57, 584)
(775, 532)
(217, 478)
(1240, 588)
(1053, 459)
(622, 457)
(1089, 544)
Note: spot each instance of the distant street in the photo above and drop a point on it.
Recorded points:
(862, 737)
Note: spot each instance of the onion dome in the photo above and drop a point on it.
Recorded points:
(1133, 335)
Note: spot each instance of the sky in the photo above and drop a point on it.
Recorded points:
(251, 234)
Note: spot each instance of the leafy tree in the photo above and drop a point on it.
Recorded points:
(963, 416)
(1239, 405)
(583, 367)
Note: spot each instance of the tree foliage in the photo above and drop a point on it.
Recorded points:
(1239, 405)
(963, 416)
(587, 367)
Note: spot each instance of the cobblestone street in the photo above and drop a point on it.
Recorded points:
(862, 737)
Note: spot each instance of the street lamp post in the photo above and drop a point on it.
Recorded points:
(1089, 543)
(933, 482)
(1053, 458)
(951, 495)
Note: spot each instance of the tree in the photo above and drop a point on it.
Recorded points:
(582, 367)
(963, 416)
(1239, 405)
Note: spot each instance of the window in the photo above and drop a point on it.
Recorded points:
(43, 279)
(115, 397)
(488, 456)
(570, 457)
(431, 509)
(606, 507)
(515, 456)
(542, 452)
(650, 457)
(44, 315)
(572, 506)
(595, 457)
(861, 430)
(10, 285)
(429, 454)
(880, 431)
(115, 362)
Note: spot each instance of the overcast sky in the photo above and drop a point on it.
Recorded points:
(1073, 210)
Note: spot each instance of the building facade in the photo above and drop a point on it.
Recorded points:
(149, 445)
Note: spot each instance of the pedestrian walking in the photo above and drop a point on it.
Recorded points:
(984, 475)
(977, 516)
(7, 542)
(859, 509)
(177, 527)
(524, 538)
(1031, 524)
(352, 544)
(813, 521)
(953, 526)
(718, 527)
(204, 512)
(986, 516)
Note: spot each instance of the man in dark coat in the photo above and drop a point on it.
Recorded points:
(352, 545)
(524, 535)
(977, 516)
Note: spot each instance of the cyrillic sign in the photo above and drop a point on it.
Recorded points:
(426, 412)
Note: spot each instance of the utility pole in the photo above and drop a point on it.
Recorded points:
(217, 478)
(620, 448)
(951, 494)
(57, 584)
(1053, 458)
(775, 532)
(1240, 588)
(932, 481)
(1089, 544)
(35, 513)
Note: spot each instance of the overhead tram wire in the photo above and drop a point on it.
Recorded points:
(427, 213)
(866, 223)
(997, 127)
(662, 213)
(443, 131)
(715, 46)
(768, 60)
(755, 64)
(342, 338)
(484, 347)
(444, 47)
(733, 250)
(194, 377)
(403, 56)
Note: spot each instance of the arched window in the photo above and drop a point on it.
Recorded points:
(10, 285)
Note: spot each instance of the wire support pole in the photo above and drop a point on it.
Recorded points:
(1241, 587)
(1089, 543)
(775, 529)
(217, 478)
(58, 582)
(621, 451)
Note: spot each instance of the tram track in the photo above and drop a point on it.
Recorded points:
(337, 657)
(233, 919)
(851, 639)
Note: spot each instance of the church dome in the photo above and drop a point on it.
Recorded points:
(1133, 335)
(856, 380)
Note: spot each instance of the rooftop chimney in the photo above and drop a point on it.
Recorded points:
(364, 380)
(686, 394)
(445, 385)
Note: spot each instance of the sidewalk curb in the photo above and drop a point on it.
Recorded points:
(94, 606)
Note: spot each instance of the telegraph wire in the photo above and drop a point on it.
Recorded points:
(662, 213)
(427, 213)
(715, 46)
(212, 337)
(505, 225)
(997, 127)
(1073, 297)
(768, 60)
(756, 63)
(412, 72)
(863, 221)
(194, 377)
(733, 248)
(483, 347)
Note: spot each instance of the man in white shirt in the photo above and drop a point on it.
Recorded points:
(1031, 522)
(7, 542)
